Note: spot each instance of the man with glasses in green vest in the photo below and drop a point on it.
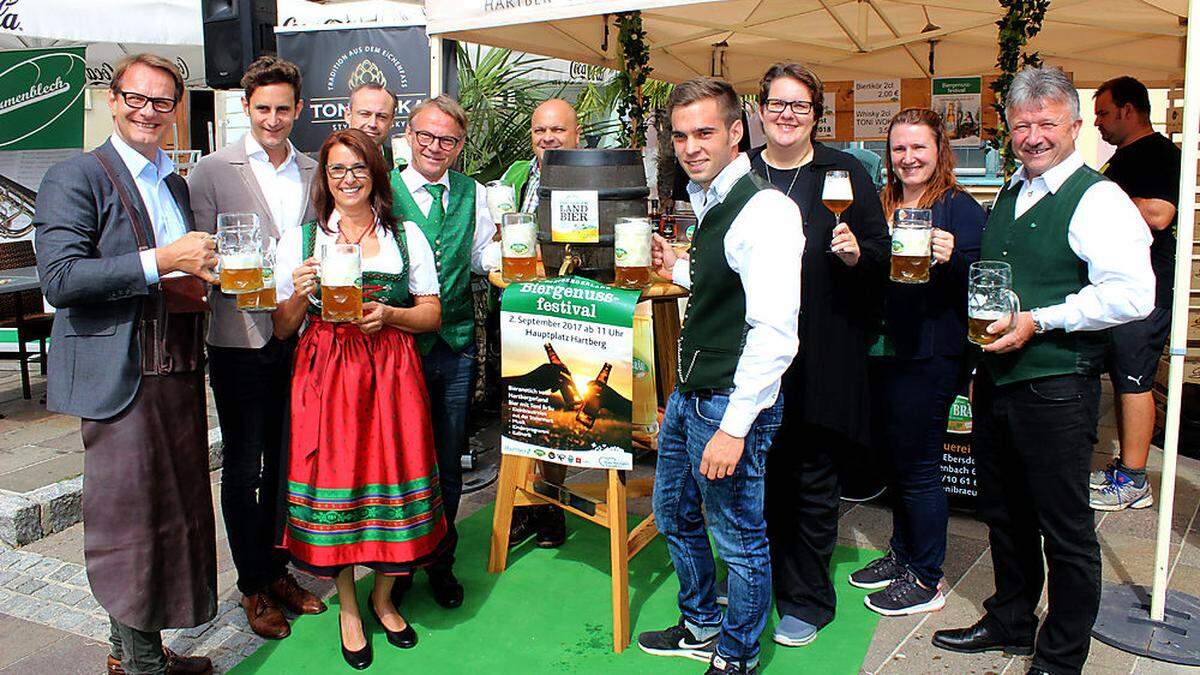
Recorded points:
(738, 337)
(451, 209)
(1080, 257)
(553, 126)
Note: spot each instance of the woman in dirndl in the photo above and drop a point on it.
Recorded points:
(362, 476)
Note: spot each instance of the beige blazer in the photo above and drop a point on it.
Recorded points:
(223, 182)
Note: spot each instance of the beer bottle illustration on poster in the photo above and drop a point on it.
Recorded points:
(567, 366)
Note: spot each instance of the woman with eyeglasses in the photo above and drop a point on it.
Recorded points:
(826, 402)
(923, 365)
(362, 480)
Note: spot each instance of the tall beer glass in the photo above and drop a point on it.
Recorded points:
(518, 243)
(837, 195)
(912, 245)
(262, 300)
(501, 199)
(341, 283)
(631, 238)
(239, 245)
(990, 297)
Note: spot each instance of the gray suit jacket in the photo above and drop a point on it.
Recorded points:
(223, 182)
(91, 272)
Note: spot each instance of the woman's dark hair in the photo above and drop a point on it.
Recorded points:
(381, 191)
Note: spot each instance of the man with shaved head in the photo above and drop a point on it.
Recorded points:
(553, 126)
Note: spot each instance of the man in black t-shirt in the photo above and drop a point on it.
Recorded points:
(1146, 166)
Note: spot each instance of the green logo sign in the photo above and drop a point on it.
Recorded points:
(960, 416)
(897, 246)
(41, 99)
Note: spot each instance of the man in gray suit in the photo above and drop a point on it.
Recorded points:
(126, 355)
(249, 369)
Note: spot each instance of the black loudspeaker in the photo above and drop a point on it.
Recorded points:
(235, 33)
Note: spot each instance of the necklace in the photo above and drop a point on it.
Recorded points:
(343, 238)
(795, 175)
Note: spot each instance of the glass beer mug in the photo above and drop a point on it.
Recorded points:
(501, 199)
(990, 297)
(239, 251)
(262, 300)
(518, 242)
(912, 245)
(632, 252)
(341, 283)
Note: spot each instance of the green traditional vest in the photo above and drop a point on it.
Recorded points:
(383, 287)
(451, 243)
(714, 325)
(516, 176)
(1045, 271)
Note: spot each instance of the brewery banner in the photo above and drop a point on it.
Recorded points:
(41, 98)
(958, 461)
(334, 61)
(566, 358)
(958, 101)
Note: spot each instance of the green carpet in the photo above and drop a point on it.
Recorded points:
(550, 613)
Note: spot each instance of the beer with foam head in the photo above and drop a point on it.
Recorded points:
(518, 244)
(241, 273)
(912, 245)
(631, 238)
(341, 283)
(836, 194)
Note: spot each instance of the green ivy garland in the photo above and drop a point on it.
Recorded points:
(635, 68)
(1021, 22)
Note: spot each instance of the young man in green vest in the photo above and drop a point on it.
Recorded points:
(451, 210)
(1080, 257)
(552, 126)
(739, 335)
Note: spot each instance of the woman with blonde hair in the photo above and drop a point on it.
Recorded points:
(925, 363)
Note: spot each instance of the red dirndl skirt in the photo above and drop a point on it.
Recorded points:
(362, 476)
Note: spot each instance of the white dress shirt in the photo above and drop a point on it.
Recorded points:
(1108, 233)
(281, 187)
(422, 273)
(763, 246)
(151, 180)
(485, 253)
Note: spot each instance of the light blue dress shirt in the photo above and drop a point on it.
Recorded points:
(151, 181)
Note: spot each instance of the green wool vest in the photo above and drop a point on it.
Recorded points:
(1045, 271)
(714, 325)
(451, 242)
(516, 176)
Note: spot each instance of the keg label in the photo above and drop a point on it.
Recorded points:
(575, 216)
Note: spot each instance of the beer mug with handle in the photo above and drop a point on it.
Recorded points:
(239, 252)
(262, 300)
(341, 283)
(518, 243)
(990, 297)
(631, 237)
(912, 245)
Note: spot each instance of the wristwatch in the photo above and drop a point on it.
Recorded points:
(1038, 326)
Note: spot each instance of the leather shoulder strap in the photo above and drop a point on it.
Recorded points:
(135, 218)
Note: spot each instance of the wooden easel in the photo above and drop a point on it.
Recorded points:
(603, 502)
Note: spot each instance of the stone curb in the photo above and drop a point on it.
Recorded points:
(30, 516)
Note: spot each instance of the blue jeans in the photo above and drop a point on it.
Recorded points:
(734, 508)
(449, 376)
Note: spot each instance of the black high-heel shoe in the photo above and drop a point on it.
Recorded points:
(360, 659)
(404, 639)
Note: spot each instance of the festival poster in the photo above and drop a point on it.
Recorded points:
(876, 102)
(958, 101)
(566, 360)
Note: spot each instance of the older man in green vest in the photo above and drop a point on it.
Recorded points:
(451, 209)
(1080, 257)
(553, 125)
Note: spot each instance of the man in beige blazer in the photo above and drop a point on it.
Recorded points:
(249, 369)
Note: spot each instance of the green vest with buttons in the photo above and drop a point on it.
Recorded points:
(714, 325)
(450, 237)
(1045, 271)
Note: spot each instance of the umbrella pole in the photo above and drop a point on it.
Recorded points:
(1168, 635)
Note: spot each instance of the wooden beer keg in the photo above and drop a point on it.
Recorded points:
(619, 179)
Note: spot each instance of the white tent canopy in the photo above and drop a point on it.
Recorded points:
(841, 39)
(112, 29)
